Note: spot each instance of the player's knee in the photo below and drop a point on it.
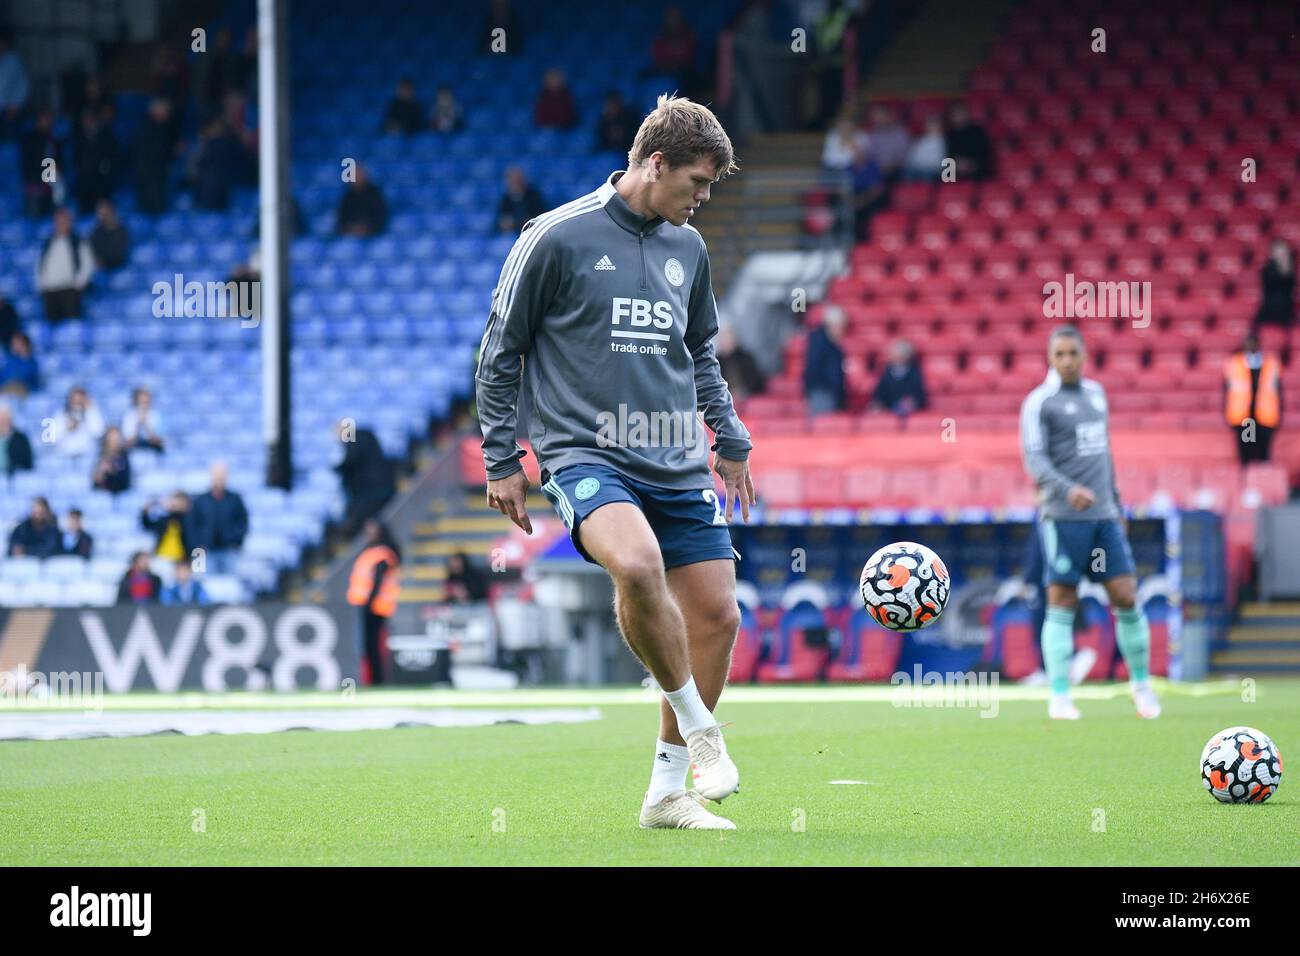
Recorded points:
(722, 622)
(638, 573)
(1064, 598)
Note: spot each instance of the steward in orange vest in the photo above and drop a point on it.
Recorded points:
(1262, 402)
(374, 582)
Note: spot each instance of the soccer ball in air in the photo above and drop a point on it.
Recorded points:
(905, 586)
(1241, 765)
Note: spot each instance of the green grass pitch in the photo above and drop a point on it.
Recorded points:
(943, 786)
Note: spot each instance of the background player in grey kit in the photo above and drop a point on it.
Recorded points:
(605, 313)
(1066, 446)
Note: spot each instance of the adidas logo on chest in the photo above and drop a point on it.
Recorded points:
(604, 265)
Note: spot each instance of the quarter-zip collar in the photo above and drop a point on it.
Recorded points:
(622, 213)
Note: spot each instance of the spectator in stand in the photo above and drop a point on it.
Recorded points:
(1277, 287)
(927, 153)
(214, 166)
(823, 368)
(888, 142)
(109, 240)
(674, 48)
(447, 116)
(141, 424)
(366, 475)
(220, 523)
(64, 269)
(14, 88)
(617, 125)
(76, 540)
(79, 427)
(373, 589)
(519, 203)
(1252, 396)
(555, 108)
(112, 473)
(869, 191)
(844, 143)
(15, 449)
(216, 73)
(152, 150)
(405, 114)
(19, 373)
(362, 210)
(139, 584)
(97, 161)
(168, 78)
(502, 32)
(172, 523)
(9, 321)
(37, 535)
(901, 388)
(466, 584)
(94, 98)
(969, 145)
(741, 372)
(40, 145)
(185, 588)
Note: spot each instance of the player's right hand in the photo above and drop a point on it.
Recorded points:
(1081, 498)
(509, 496)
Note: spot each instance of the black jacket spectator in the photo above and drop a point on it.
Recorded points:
(823, 370)
(109, 239)
(76, 541)
(38, 145)
(617, 125)
(219, 523)
(9, 321)
(36, 536)
(739, 368)
(1277, 287)
(152, 150)
(405, 113)
(520, 202)
(367, 478)
(969, 145)
(215, 166)
(15, 449)
(362, 210)
(97, 158)
(900, 389)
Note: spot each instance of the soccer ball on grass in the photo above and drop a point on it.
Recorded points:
(905, 586)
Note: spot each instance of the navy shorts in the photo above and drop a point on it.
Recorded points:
(1072, 549)
(689, 524)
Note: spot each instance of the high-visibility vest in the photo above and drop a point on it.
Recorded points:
(1268, 401)
(362, 581)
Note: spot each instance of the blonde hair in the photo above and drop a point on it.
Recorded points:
(683, 131)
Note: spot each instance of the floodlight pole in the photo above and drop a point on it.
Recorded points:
(276, 227)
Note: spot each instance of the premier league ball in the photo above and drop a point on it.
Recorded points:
(905, 586)
(1241, 765)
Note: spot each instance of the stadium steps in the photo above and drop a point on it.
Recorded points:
(742, 217)
(1266, 638)
(467, 525)
(937, 50)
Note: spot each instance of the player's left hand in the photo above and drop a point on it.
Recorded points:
(738, 484)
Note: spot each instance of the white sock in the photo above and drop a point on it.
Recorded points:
(672, 763)
(689, 707)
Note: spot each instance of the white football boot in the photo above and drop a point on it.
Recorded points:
(1146, 701)
(715, 776)
(1060, 707)
(682, 810)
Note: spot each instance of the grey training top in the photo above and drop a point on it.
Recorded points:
(1064, 439)
(608, 320)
